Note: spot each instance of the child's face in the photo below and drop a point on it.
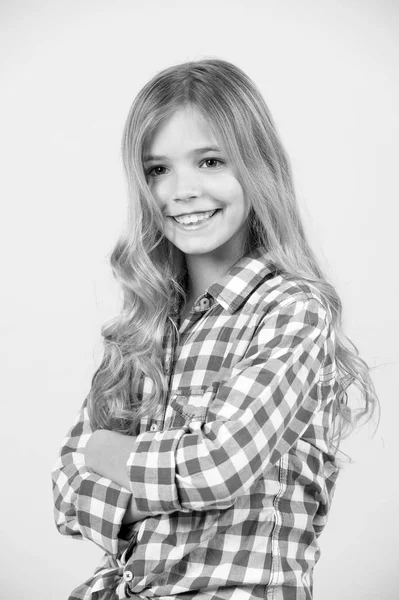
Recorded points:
(186, 178)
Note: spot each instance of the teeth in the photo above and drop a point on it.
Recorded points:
(196, 218)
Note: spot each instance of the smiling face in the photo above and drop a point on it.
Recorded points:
(191, 178)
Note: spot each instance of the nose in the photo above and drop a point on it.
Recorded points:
(186, 186)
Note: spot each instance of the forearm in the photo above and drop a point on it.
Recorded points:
(106, 454)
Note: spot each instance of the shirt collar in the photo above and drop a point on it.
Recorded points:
(241, 280)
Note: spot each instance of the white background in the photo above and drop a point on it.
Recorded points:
(69, 72)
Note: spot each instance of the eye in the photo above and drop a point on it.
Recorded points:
(211, 163)
(156, 171)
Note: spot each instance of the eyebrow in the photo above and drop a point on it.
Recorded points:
(151, 157)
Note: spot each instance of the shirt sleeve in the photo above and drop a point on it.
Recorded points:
(86, 505)
(258, 413)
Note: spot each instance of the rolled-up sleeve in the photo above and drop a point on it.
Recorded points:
(261, 408)
(86, 505)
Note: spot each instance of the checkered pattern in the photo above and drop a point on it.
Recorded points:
(235, 469)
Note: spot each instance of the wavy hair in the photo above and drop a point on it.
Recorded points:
(151, 270)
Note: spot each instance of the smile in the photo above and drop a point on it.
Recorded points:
(190, 221)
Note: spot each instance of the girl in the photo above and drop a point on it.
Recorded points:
(203, 460)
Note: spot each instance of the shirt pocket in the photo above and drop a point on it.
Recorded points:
(188, 407)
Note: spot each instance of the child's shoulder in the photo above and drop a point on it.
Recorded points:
(282, 290)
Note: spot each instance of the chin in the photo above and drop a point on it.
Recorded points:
(198, 250)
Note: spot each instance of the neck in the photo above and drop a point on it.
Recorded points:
(205, 269)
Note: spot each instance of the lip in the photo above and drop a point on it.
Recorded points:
(195, 212)
(200, 225)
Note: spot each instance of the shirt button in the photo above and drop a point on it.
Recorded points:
(128, 576)
(204, 303)
(154, 427)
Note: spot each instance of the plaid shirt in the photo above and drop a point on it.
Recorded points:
(236, 469)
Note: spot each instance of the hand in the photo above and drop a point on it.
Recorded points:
(91, 450)
(106, 453)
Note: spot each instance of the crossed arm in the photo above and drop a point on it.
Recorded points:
(104, 479)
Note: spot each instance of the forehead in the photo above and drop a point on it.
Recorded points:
(186, 128)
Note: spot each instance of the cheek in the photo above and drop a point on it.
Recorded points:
(230, 191)
(159, 191)
(225, 188)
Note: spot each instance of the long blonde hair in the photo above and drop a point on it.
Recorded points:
(150, 269)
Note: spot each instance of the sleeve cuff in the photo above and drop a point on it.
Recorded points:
(100, 508)
(152, 471)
